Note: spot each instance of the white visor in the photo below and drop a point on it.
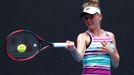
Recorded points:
(90, 10)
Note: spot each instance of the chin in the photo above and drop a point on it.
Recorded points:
(91, 28)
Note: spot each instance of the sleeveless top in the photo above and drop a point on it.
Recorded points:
(96, 62)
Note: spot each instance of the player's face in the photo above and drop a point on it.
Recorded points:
(92, 21)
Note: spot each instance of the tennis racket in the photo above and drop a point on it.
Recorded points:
(23, 45)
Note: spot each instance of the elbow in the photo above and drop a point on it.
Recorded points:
(78, 60)
(116, 65)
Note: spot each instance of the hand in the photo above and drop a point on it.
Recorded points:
(70, 45)
(106, 48)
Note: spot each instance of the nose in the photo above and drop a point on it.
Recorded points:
(88, 20)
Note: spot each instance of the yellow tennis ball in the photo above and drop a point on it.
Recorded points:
(21, 48)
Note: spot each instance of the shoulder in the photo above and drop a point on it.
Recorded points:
(111, 34)
(83, 35)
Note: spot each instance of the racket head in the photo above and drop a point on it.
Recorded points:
(22, 45)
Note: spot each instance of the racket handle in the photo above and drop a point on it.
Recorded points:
(59, 44)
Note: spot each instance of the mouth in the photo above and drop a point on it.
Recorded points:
(90, 24)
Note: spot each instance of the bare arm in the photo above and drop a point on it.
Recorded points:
(115, 55)
(78, 52)
(112, 52)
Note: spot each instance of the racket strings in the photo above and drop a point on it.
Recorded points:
(29, 47)
(25, 40)
(13, 41)
(33, 45)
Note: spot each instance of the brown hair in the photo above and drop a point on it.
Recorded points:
(94, 3)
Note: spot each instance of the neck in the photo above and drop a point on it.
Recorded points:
(97, 32)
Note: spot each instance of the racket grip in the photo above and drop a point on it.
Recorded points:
(59, 44)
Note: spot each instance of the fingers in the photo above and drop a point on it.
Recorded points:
(106, 48)
(70, 45)
(104, 43)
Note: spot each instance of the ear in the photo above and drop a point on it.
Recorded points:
(100, 16)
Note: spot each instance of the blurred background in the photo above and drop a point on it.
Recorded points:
(58, 21)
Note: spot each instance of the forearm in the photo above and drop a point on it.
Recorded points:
(115, 59)
(78, 50)
(76, 55)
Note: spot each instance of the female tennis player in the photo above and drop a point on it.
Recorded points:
(96, 48)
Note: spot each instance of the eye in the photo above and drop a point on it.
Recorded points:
(88, 17)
